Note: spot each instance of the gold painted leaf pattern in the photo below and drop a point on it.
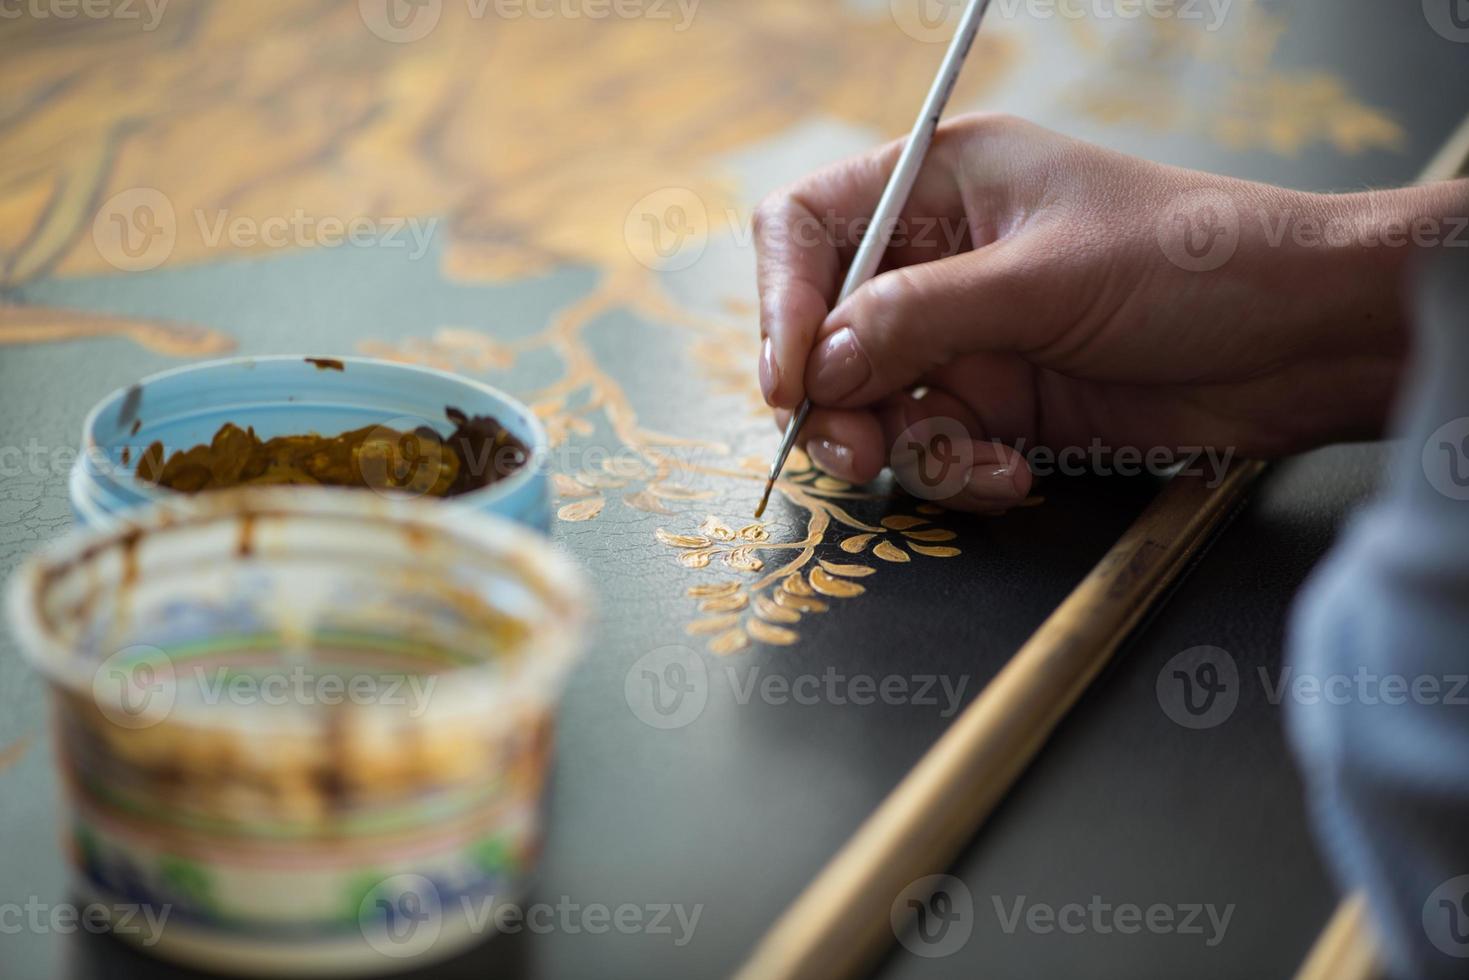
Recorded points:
(827, 584)
(625, 467)
(725, 603)
(754, 532)
(848, 571)
(646, 502)
(696, 559)
(715, 624)
(936, 551)
(730, 642)
(930, 534)
(887, 551)
(774, 635)
(830, 483)
(855, 544)
(716, 529)
(766, 608)
(582, 510)
(901, 522)
(712, 589)
(602, 481)
(681, 540)
(743, 560)
(929, 509)
(570, 487)
(800, 603)
(795, 585)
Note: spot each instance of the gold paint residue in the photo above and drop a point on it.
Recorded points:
(582, 510)
(887, 551)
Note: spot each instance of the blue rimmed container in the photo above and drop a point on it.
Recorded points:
(293, 395)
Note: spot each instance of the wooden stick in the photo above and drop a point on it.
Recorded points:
(1345, 950)
(841, 923)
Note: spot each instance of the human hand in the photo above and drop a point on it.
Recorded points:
(1041, 291)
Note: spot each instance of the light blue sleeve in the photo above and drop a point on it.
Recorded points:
(1383, 631)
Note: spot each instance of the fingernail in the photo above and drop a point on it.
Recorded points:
(832, 457)
(989, 482)
(841, 367)
(769, 372)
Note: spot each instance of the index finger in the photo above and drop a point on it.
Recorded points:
(805, 236)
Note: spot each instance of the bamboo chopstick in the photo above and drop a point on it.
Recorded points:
(1344, 950)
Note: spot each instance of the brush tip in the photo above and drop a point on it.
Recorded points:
(764, 499)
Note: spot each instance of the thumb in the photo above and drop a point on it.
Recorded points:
(905, 323)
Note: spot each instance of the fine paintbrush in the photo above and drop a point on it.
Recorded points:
(894, 197)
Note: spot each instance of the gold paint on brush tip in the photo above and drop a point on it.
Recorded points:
(764, 499)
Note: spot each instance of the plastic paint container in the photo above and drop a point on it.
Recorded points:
(310, 730)
(291, 395)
